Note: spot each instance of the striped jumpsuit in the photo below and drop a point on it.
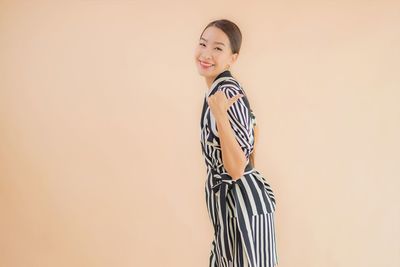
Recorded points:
(241, 211)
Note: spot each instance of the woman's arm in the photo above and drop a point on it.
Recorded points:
(233, 157)
(233, 122)
(255, 144)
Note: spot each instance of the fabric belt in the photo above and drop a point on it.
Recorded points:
(223, 182)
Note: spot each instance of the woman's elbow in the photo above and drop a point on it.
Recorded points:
(236, 171)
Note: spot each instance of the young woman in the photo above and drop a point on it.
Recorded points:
(240, 202)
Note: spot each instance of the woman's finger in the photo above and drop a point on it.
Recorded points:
(234, 98)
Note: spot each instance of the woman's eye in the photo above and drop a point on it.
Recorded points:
(215, 48)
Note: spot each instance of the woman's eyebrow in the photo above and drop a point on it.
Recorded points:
(201, 38)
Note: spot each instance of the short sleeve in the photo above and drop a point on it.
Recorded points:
(240, 119)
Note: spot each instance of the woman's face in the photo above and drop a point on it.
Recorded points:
(213, 53)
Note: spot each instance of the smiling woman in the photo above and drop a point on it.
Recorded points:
(239, 200)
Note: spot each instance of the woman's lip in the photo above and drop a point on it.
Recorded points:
(205, 63)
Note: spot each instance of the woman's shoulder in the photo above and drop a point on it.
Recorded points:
(231, 83)
(231, 87)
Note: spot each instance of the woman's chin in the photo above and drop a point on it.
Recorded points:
(206, 72)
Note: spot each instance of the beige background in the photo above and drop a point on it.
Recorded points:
(100, 158)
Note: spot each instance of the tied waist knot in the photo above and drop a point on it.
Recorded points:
(223, 182)
(219, 178)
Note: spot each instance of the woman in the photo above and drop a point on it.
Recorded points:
(240, 202)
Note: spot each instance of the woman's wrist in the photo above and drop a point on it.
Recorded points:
(223, 117)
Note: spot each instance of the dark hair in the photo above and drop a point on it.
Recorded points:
(235, 40)
(231, 30)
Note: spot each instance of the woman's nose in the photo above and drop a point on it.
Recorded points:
(207, 56)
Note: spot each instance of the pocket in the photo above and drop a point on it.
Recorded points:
(267, 188)
(269, 196)
(251, 190)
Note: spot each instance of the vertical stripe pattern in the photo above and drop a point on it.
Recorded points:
(241, 211)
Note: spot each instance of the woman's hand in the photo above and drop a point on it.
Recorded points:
(219, 103)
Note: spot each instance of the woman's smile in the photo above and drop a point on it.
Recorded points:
(205, 65)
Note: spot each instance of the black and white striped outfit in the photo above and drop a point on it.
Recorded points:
(241, 211)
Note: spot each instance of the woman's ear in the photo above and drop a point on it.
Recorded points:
(234, 58)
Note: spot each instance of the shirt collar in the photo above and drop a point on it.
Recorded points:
(225, 73)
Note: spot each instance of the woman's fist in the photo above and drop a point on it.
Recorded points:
(219, 103)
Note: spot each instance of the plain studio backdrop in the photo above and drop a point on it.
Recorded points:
(100, 157)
